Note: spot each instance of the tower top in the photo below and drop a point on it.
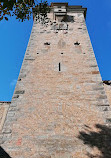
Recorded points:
(59, 4)
(64, 8)
(69, 8)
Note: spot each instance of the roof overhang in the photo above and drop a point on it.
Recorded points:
(59, 4)
(70, 8)
(75, 9)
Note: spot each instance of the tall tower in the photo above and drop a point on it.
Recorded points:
(59, 92)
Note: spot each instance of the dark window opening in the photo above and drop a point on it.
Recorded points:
(59, 66)
(47, 43)
(37, 53)
(77, 43)
(61, 53)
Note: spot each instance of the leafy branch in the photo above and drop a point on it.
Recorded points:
(22, 9)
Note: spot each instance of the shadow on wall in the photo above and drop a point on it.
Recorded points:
(3, 154)
(68, 18)
(100, 140)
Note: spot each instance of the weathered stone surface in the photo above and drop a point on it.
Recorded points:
(16, 96)
(6, 131)
(107, 86)
(20, 92)
(3, 112)
(28, 58)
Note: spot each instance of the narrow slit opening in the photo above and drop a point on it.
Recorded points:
(59, 66)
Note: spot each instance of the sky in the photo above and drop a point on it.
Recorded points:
(14, 37)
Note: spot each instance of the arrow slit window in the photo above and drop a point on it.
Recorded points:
(59, 66)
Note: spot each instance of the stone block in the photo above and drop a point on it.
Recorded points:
(20, 92)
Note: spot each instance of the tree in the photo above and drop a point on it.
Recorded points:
(22, 9)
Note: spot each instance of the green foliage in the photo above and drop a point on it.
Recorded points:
(22, 9)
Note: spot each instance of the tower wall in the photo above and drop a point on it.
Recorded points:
(59, 93)
(3, 112)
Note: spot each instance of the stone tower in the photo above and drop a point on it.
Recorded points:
(59, 93)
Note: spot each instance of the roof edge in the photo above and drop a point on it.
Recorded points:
(59, 3)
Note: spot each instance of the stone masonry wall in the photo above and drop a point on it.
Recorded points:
(50, 108)
(4, 106)
(107, 86)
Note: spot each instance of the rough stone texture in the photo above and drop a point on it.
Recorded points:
(3, 112)
(107, 86)
(58, 114)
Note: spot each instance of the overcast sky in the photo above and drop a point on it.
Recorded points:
(14, 37)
